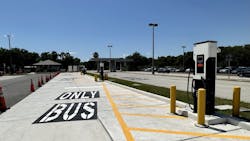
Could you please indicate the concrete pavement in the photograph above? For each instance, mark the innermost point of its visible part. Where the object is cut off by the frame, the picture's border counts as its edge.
(74, 107)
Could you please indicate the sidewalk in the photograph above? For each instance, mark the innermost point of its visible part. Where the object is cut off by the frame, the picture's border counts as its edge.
(74, 107)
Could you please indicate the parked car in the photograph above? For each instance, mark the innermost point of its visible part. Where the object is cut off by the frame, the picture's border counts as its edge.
(163, 70)
(148, 69)
(245, 72)
(179, 70)
(189, 70)
(238, 70)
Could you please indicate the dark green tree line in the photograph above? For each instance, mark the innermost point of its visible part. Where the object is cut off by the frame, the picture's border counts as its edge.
(21, 57)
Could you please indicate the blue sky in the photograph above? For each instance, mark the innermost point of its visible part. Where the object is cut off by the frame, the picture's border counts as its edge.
(85, 26)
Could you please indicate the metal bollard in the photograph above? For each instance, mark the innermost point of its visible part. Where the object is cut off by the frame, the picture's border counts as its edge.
(172, 98)
(106, 76)
(236, 101)
(201, 106)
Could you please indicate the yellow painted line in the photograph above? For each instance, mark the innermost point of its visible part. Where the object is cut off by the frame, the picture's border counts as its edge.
(142, 106)
(124, 126)
(213, 135)
(154, 116)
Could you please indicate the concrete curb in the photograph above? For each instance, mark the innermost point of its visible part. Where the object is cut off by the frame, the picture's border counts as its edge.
(186, 111)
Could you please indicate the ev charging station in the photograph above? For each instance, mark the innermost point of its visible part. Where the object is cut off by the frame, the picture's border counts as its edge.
(205, 58)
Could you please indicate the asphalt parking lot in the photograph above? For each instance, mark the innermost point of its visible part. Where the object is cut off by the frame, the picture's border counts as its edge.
(73, 106)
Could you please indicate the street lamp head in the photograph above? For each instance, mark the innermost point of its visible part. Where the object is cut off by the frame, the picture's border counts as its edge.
(152, 24)
(109, 45)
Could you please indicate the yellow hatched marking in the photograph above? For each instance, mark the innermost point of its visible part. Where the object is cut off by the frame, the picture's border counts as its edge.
(124, 126)
(155, 116)
(190, 133)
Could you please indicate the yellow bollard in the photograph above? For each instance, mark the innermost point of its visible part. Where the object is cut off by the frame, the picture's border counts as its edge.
(105, 76)
(172, 99)
(236, 101)
(95, 78)
(201, 106)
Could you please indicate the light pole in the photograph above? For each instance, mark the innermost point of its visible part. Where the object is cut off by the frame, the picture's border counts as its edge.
(153, 25)
(183, 47)
(9, 37)
(110, 46)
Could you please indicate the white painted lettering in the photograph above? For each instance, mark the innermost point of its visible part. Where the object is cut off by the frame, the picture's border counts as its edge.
(65, 95)
(93, 93)
(83, 94)
(57, 110)
(75, 95)
(66, 115)
(88, 109)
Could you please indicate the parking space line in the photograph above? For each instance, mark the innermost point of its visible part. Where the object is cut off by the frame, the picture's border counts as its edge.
(155, 116)
(124, 126)
(142, 106)
(214, 135)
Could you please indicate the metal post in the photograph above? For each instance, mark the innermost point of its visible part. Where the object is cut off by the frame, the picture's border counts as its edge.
(172, 99)
(110, 46)
(201, 106)
(153, 66)
(9, 36)
(153, 62)
(183, 65)
(236, 101)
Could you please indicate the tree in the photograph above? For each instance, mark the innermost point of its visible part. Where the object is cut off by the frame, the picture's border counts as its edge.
(139, 62)
(95, 55)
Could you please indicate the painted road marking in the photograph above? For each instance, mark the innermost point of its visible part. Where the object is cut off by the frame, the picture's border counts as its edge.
(213, 135)
(124, 126)
(78, 95)
(69, 112)
(142, 106)
(155, 116)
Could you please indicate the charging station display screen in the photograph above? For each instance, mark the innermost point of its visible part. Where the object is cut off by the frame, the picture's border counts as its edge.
(200, 64)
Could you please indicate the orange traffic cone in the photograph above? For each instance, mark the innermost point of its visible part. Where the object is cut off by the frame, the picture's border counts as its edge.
(39, 83)
(3, 106)
(42, 80)
(32, 88)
